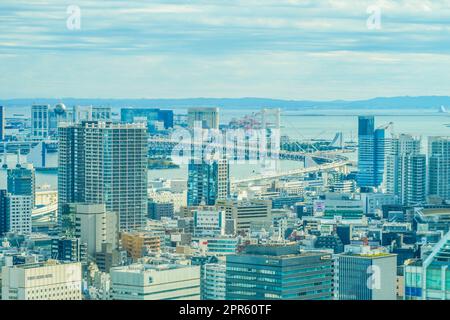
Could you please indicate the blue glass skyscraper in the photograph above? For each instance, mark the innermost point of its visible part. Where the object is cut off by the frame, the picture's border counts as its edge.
(371, 155)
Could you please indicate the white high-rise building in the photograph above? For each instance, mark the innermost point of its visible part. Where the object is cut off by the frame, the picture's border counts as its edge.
(42, 281)
(104, 162)
(18, 212)
(406, 170)
(156, 282)
(40, 122)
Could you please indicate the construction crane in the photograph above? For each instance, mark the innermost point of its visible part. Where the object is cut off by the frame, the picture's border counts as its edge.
(389, 126)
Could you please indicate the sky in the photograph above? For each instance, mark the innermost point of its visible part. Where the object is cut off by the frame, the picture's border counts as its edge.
(286, 49)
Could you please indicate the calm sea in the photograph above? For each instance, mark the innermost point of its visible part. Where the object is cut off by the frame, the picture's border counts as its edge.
(298, 124)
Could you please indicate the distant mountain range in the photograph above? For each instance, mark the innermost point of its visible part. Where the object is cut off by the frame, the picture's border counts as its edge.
(411, 103)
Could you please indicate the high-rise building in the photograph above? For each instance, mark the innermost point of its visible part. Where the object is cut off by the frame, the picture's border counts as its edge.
(208, 118)
(104, 163)
(18, 214)
(42, 281)
(40, 122)
(272, 272)
(362, 273)
(439, 167)
(155, 282)
(208, 181)
(371, 153)
(21, 181)
(406, 170)
(2, 123)
(212, 284)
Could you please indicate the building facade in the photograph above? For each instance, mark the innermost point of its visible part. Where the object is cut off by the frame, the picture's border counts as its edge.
(149, 282)
(208, 181)
(42, 281)
(439, 167)
(102, 162)
(275, 272)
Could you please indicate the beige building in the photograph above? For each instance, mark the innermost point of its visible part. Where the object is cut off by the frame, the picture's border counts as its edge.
(136, 243)
(246, 212)
(156, 282)
(42, 281)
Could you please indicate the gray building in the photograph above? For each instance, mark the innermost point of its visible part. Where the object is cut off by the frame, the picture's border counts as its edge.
(102, 162)
(366, 276)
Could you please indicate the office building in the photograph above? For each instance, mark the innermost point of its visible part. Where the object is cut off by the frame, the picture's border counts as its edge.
(212, 284)
(42, 281)
(152, 116)
(371, 153)
(155, 282)
(21, 181)
(439, 167)
(246, 212)
(104, 163)
(429, 278)
(208, 181)
(158, 210)
(363, 273)
(220, 246)
(2, 123)
(40, 122)
(95, 226)
(406, 170)
(18, 214)
(209, 223)
(90, 113)
(272, 272)
(207, 118)
(69, 249)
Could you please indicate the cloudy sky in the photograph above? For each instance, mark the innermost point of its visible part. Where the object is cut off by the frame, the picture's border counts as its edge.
(291, 49)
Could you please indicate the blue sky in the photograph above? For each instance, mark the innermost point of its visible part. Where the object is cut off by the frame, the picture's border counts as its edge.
(291, 49)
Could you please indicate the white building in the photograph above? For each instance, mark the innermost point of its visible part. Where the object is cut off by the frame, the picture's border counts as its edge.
(40, 122)
(156, 282)
(209, 223)
(95, 226)
(42, 281)
(18, 211)
(213, 281)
